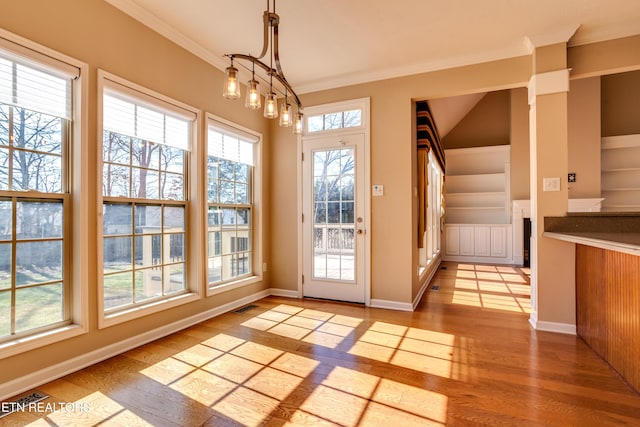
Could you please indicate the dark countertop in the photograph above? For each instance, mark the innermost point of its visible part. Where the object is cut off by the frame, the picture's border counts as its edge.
(607, 230)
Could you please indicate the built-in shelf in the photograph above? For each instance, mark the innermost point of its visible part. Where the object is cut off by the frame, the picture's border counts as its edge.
(620, 167)
(477, 185)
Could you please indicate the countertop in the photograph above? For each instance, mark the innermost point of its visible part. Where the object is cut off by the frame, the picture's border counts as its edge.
(611, 230)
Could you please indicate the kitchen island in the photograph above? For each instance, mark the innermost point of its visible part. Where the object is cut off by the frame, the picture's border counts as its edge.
(607, 284)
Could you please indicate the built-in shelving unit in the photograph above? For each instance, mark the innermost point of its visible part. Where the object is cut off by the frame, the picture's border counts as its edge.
(620, 165)
(478, 205)
(477, 185)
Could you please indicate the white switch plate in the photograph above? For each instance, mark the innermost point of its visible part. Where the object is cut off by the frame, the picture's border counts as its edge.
(551, 184)
(378, 190)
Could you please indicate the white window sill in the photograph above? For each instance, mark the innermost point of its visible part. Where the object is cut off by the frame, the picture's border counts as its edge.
(24, 344)
(225, 287)
(112, 319)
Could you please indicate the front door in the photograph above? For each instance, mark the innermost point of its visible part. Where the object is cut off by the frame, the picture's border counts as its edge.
(334, 226)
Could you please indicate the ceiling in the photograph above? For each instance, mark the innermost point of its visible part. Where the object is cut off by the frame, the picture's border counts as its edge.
(333, 43)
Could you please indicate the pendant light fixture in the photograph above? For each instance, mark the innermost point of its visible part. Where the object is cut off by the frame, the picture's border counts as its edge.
(252, 100)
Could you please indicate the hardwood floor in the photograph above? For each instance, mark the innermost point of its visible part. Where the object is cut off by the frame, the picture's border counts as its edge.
(467, 356)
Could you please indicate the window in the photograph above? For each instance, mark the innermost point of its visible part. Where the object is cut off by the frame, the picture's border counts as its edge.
(35, 132)
(230, 194)
(431, 246)
(334, 120)
(145, 156)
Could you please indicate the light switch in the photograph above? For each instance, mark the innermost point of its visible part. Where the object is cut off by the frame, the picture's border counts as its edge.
(551, 184)
(378, 190)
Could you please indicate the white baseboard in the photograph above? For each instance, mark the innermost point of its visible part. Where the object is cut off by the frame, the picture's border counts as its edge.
(43, 376)
(559, 328)
(391, 305)
(425, 285)
(287, 293)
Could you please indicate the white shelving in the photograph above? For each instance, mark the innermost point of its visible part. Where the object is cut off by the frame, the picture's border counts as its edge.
(620, 166)
(477, 185)
(478, 205)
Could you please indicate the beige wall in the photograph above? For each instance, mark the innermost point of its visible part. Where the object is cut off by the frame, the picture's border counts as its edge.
(519, 134)
(486, 124)
(96, 33)
(621, 104)
(394, 269)
(584, 137)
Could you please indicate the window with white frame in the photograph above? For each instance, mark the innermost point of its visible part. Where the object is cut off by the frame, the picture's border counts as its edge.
(230, 194)
(145, 152)
(432, 237)
(334, 120)
(36, 110)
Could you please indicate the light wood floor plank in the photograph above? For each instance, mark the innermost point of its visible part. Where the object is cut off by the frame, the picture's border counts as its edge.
(467, 356)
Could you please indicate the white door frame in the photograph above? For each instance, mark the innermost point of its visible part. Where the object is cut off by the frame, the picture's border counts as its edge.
(364, 105)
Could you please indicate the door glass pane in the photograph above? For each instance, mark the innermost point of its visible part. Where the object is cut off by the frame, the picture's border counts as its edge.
(334, 222)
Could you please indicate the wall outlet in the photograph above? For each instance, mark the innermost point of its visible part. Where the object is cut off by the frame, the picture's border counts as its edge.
(378, 190)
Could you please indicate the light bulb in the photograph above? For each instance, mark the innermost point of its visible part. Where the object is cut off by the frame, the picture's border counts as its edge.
(270, 106)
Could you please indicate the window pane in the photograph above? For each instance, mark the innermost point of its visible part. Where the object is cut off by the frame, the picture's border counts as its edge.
(115, 180)
(6, 220)
(148, 250)
(5, 313)
(244, 216)
(38, 262)
(352, 118)
(332, 121)
(315, 123)
(5, 266)
(228, 216)
(333, 189)
(4, 169)
(226, 192)
(145, 184)
(36, 220)
(148, 283)
(214, 267)
(228, 242)
(172, 159)
(347, 213)
(214, 217)
(174, 278)
(117, 254)
(242, 194)
(319, 160)
(116, 148)
(39, 306)
(242, 172)
(172, 186)
(212, 179)
(116, 219)
(174, 248)
(37, 131)
(333, 213)
(227, 170)
(320, 213)
(37, 172)
(320, 189)
(174, 219)
(148, 219)
(4, 125)
(118, 290)
(145, 154)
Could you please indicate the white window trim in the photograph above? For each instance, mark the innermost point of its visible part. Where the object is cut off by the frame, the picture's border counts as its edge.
(257, 242)
(79, 159)
(337, 107)
(195, 215)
